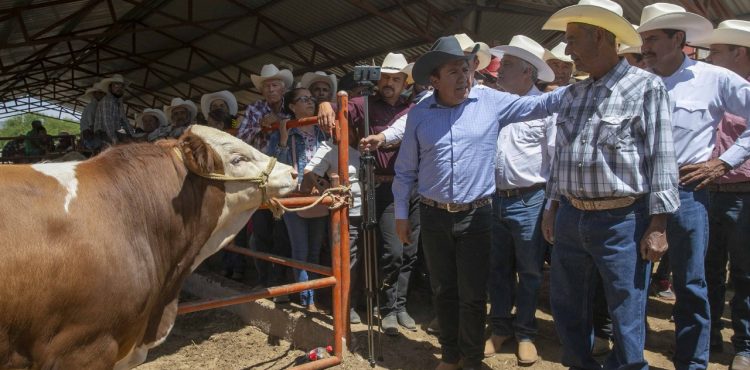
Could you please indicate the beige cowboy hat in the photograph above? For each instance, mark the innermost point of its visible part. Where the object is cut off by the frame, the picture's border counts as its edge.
(627, 49)
(660, 16)
(407, 70)
(310, 78)
(226, 96)
(160, 116)
(395, 63)
(178, 102)
(529, 50)
(271, 72)
(606, 14)
(467, 44)
(105, 82)
(558, 52)
(91, 90)
(729, 32)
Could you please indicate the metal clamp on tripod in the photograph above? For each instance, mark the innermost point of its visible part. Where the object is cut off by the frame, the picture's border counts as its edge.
(367, 75)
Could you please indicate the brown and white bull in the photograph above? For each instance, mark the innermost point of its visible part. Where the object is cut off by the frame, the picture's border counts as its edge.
(93, 253)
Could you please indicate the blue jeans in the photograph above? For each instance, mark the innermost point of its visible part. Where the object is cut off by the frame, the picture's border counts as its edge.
(516, 249)
(306, 238)
(590, 245)
(729, 217)
(687, 235)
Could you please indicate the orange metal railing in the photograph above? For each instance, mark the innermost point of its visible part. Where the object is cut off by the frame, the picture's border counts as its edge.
(336, 276)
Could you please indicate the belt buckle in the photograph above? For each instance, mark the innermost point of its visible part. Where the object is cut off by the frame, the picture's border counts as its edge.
(449, 207)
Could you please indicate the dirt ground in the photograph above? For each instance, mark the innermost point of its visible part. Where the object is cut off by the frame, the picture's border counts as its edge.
(220, 340)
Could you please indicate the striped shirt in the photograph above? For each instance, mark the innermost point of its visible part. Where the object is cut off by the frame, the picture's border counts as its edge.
(250, 130)
(614, 139)
(110, 117)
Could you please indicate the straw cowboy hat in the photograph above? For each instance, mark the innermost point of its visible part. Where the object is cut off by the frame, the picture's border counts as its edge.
(444, 50)
(271, 72)
(178, 102)
(558, 52)
(91, 90)
(627, 49)
(105, 82)
(160, 116)
(729, 32)
(310, 78)
(529, 50)
(660, 16)
(395, 63)
(605, 14)
(467, 45)
(224, 95)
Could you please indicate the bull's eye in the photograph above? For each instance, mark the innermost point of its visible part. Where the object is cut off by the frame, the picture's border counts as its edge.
(236, 160)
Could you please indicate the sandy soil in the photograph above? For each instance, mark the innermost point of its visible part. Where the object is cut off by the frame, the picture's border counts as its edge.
(219, 340)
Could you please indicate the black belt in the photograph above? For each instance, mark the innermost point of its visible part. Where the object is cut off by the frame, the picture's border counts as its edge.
(507, 193)
(737, 187)
(457, 207)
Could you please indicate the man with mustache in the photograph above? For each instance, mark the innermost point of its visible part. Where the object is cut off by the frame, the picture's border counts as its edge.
(701, 95)
(446, 156)
(612, 185)
(397, 258)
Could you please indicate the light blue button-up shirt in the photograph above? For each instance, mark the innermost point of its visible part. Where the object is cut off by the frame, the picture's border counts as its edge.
(449, 152)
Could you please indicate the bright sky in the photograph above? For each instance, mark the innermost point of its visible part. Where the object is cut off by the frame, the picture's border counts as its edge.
(12, 107)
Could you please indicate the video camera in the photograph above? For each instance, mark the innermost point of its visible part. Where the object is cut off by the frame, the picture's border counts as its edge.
(366, 73)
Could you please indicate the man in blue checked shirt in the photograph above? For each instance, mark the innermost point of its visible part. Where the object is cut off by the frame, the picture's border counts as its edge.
(448, 152)
(612, 185)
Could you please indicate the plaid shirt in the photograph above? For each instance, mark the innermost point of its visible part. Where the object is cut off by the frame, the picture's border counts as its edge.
(250, 130)
(110, 117)
(614, 139)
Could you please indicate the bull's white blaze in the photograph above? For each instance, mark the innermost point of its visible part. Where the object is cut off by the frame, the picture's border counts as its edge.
(65, 174)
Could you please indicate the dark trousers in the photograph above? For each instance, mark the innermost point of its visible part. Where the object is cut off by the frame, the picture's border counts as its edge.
(457, 249)
(356, 283)
(396, 259)
(269, 236)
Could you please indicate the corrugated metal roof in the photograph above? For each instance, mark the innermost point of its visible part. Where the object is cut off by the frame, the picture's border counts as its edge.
(54, 50)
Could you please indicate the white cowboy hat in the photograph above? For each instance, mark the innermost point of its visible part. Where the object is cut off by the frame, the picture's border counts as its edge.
(558, 52)
(224, 95)
(160, 116)
(627, 49)
(105, 82)
(606, 14)
(660, 16)
(310, 78)
(91, 90)
(529, 50)
(178, 102)
(407, 70)
(729, 32)
(395, 63)
(269, 72)
(467, 44)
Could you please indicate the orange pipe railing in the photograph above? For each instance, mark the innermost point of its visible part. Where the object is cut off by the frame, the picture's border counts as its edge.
(292, 124)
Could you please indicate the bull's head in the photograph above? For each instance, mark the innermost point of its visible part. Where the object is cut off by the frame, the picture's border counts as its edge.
(249, 176)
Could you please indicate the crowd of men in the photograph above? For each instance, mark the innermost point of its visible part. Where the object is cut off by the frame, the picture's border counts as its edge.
(488, 158)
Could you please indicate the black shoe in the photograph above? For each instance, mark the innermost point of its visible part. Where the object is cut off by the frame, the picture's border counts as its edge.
(390, 324)
(354, 317)
(717, 342)
(406, 321)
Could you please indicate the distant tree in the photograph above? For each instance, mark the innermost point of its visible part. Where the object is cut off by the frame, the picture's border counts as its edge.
(20, 125)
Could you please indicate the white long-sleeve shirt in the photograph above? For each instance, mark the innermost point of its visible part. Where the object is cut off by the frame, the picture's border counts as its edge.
(700, 94)
(524, 152)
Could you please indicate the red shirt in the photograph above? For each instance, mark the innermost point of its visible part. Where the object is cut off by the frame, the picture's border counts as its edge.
(730, 128)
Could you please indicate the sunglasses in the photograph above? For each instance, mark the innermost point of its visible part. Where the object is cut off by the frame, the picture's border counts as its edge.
(305, 99)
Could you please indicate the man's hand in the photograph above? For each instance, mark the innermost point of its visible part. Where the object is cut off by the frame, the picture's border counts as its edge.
(654, 242)
(403, 230)
(548, 222)
(269, 119)
(705, 172)
(283, 133)
(326, 117)
(371, 142)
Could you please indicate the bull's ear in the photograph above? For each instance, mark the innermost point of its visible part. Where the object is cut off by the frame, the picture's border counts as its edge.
(199, 156)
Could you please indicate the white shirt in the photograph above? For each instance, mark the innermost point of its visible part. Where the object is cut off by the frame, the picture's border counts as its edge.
(524, 152)
(326, 160)
(700, 94)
